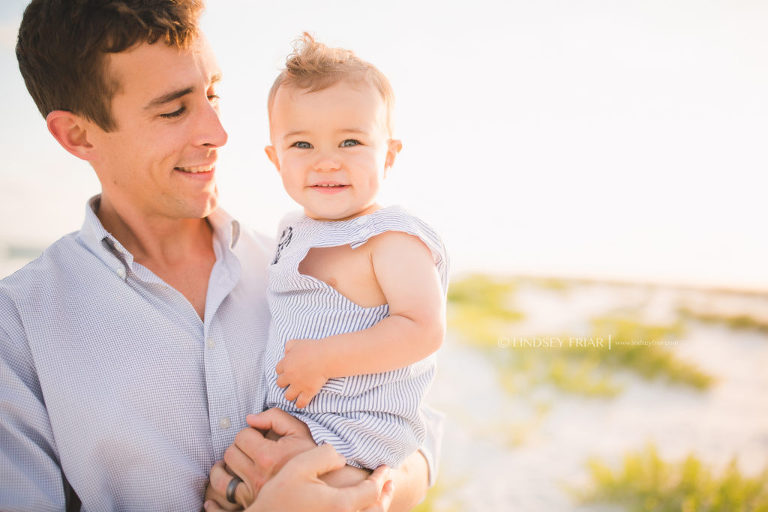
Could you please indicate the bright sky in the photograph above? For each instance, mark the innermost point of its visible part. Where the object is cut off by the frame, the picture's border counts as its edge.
(600, 138)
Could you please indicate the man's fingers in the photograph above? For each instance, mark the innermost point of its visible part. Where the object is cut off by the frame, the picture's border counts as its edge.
(365, 495)
(387, 494)
(249, 440)
(317, 461)
(241, 465)
(219, 479)
(211, 506)
(385, 500)
(379, 477)
(252, 456)
(278, 421)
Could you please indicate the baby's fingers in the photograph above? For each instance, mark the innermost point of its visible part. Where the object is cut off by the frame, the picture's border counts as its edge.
(282, 381)
(303, 400)
(291, 393)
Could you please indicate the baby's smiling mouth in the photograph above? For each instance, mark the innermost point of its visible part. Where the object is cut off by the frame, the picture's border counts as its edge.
(328, 185)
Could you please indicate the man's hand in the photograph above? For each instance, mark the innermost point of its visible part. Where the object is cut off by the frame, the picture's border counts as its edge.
(220, 478)
(297, 488)
(255, 455)
(302, 370)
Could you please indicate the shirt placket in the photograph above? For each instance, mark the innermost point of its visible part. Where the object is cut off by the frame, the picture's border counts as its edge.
(224, 414)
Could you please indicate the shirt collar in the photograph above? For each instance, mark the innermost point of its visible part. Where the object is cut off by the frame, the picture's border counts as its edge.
(225, 228)
(99, 241)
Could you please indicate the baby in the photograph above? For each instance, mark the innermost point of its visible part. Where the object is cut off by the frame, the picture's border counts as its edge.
(356, 290)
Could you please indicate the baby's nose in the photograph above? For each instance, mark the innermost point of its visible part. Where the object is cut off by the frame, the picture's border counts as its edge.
(327, 163)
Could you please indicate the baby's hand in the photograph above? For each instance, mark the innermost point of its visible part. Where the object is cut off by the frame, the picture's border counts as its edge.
(301, 370)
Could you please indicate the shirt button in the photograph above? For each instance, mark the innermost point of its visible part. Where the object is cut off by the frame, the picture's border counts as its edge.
(210, 343)
(225, 423)
(121, 272)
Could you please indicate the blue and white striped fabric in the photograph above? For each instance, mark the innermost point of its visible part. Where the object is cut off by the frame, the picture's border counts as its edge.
(370, 419)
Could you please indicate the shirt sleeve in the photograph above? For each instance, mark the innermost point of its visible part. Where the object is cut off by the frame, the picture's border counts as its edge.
(431, 448)
(30, 475)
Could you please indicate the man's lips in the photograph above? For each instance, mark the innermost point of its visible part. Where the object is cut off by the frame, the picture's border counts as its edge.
(197, 169)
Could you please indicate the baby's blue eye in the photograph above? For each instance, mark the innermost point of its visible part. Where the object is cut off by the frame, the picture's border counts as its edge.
(302, 145)
(349, 143)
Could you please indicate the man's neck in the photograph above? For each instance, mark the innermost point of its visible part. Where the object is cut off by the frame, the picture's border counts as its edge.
(155, 240)
(178, 251)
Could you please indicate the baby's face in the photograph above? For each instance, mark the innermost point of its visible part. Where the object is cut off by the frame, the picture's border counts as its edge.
(331, 148)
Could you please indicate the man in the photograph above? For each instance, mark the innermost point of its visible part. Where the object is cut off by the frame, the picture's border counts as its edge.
(130, 350)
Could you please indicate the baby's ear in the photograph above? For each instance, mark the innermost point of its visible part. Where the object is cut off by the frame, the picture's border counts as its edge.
(71, 131)
(272, 155)
(393, 148)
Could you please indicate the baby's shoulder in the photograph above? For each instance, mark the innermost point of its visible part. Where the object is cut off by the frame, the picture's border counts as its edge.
(396, 225)
(399, 244)
(397, 231)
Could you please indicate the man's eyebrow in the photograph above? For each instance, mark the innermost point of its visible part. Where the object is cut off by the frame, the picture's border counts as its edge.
(167, 98)
(174, 95)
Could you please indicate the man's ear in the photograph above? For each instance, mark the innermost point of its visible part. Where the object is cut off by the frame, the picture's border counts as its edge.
(393, 148)
(71, 131)
(272, 154)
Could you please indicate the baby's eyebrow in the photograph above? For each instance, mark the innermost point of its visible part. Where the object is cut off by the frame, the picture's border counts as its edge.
(295, 133)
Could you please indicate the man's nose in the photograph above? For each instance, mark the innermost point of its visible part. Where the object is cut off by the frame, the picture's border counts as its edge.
(211, 133)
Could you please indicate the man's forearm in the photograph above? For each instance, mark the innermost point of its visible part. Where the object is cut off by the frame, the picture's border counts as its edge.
(411, 483)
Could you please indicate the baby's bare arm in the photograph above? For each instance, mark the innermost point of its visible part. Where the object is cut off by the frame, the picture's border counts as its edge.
(406, 274)
(414, 329)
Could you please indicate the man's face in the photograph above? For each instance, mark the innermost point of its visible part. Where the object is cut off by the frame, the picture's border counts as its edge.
(159, 161)
(331, 148)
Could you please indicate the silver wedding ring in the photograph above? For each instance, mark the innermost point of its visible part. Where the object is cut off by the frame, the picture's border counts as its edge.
(231, 488)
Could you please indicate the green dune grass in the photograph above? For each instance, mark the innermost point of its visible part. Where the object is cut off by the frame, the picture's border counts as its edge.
(739, 321)
(482, 311)
(647, 483)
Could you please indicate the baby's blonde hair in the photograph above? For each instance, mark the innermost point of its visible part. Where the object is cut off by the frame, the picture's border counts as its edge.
(314, 66)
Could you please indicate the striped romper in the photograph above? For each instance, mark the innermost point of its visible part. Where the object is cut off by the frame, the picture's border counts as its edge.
(370, 419)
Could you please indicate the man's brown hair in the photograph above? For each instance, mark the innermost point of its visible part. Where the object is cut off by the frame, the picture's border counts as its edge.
(63, 44)
(314, 66)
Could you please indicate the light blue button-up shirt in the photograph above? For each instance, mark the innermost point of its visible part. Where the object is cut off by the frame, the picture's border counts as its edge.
(109, 376)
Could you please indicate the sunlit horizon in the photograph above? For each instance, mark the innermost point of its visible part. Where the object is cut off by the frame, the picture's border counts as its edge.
(584, 139)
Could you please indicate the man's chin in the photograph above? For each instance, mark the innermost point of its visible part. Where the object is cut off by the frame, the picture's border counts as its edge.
(205, 206)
